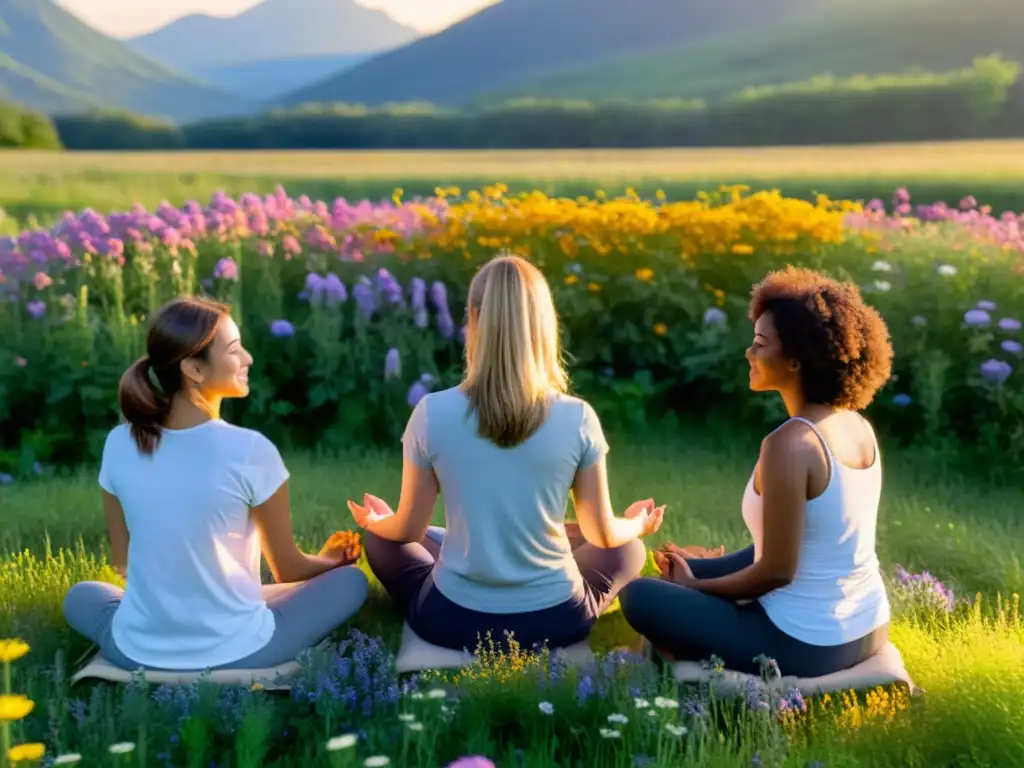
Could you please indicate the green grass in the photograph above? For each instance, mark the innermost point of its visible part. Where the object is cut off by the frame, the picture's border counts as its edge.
(845, 38)
(962, 526)
(44, 184)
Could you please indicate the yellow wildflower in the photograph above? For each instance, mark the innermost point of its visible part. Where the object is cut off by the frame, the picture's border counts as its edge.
(12, 650)
(593, 287)
(570, 279)
(644, 273)
(743, 249)
(15, 707)
(660, 329)
(26, 753)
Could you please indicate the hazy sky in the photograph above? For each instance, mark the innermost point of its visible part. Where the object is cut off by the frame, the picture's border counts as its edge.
(124, 18)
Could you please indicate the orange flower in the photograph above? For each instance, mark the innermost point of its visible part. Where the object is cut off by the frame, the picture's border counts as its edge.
(644, 273)
(742, 249)
(660, 329)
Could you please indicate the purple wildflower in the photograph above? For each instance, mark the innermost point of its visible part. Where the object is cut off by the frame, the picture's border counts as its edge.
(314, 288)
(472, 761)
(418, 301)
(439, 295)
(282, 329)
(389, 287)
(1011, 324)
(417, 392)
(902, 400)
(715, 316)
(987, 306)
(6, 479)
(366, 297)
(36, 309)
(977, 318)
(392, 364)
(445, 325)
(1011, 346)
(226, 269)
(334, 289)
(996, 371)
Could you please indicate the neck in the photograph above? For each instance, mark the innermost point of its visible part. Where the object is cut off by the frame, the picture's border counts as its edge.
(185, 413)
(797, 405)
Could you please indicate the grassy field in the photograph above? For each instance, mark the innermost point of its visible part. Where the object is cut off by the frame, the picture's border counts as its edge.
(964, 528)
(44, 184)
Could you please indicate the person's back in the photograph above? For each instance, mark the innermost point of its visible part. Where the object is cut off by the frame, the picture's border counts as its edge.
(506, 550)
(194, 551)
(191, 504)
(505, 448)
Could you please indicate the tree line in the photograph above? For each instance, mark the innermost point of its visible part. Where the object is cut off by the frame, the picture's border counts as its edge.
(984, 100)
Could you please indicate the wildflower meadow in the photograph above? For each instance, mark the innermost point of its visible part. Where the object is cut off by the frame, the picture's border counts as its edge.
(354, 310)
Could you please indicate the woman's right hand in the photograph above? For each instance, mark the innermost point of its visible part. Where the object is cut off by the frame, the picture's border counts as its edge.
(370, 511)
(652, 516)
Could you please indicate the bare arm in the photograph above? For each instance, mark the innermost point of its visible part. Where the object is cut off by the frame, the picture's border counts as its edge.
(287, 562)
(415, 507)
(117, 529)
(598, 522)
(786, 458)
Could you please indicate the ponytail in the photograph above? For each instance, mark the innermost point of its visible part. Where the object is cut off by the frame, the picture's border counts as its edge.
(144, 406)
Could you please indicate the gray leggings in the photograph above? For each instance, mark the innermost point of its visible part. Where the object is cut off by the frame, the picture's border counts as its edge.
(304, 614)
(693, 626)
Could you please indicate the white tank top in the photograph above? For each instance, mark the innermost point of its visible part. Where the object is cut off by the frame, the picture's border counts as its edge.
(837, 595)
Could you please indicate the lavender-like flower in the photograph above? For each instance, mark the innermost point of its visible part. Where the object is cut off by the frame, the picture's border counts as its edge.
(715, 317)
(977, 318)
(1011, 346)
(389, 287)
(1010, 324)
(996, 371)
(392, 365)
(445, 325)
(987, 306)
(334, 290)
(366, 297)
(439, 296)
(418, 301)
(36, 309)
(417, 392)
(282, 329)
(226, 269)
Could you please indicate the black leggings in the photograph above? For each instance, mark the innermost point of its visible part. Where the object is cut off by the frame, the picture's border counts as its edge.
(693, 626)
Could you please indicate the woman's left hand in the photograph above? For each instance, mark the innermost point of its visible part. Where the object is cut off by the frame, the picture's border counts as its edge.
(674, 568)
(370, 511)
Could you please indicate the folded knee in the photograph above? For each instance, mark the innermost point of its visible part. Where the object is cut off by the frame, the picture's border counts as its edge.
(639, 600)
(353, 585)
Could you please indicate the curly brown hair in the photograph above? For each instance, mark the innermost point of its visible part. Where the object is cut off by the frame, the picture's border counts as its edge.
(841, 344)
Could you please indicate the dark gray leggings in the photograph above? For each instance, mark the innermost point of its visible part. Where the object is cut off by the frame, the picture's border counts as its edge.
(406, 572)
(693, 626)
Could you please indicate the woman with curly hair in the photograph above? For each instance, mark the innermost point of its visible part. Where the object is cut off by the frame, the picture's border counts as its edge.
(808, 592)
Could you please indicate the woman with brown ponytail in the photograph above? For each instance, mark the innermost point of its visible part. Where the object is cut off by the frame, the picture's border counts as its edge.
(191, 501)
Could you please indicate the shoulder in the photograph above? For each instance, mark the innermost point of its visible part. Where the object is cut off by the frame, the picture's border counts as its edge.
(244, 444)
(571, 404)
(794, 442)
(119, 438)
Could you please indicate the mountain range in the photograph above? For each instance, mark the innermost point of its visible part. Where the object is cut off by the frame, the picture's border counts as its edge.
(284, 53)
(274, 30)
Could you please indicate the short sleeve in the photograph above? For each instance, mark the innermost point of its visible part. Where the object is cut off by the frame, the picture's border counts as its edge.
(592, 438)
(109, 459)
(264, 472)
(414, 440)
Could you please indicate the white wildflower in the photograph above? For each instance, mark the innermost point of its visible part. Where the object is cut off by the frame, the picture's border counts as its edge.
(437, 693)
(662, 703)
(546, 707)
(641, 703)
(675, 730)
(69, 759)
(121, 748)
(377, 761)
(346, 741)
(609, 733)
(883, 285)
(414, 727)
(947, 270)
(618, 719)
(881, 266)
(405, 717)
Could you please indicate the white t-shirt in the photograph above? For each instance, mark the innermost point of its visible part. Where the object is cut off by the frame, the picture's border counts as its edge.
(193, 597)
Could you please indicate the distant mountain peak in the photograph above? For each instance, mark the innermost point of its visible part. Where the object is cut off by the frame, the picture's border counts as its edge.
(274, 29)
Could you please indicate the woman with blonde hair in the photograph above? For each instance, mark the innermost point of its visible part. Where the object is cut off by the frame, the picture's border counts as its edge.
(505, 448)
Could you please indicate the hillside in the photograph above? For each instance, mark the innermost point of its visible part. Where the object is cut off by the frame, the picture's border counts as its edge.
(51, 61)
(273, 30)
(261, 81)
(505, 43)
(846, 38)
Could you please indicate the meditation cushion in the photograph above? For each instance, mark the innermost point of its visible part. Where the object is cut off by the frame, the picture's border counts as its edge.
(272, 679)
(416, 655)
(884, 668)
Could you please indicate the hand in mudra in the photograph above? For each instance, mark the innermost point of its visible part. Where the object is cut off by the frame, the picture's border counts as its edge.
(697, 552)
(673, 565)
(652, 515)
(343, 547)
(370, 511)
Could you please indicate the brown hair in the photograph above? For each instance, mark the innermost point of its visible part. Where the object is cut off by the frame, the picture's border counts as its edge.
(180, 329)
(841, 343)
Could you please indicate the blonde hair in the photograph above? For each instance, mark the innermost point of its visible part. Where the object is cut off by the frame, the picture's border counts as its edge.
(513, 351)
